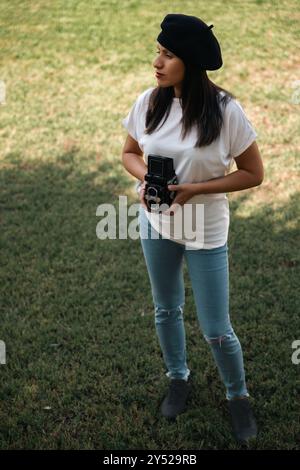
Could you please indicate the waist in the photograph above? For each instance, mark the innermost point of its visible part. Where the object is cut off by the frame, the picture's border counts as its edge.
(208, 197)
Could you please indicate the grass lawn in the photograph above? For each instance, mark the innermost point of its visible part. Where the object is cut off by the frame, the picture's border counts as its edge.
(83, 364)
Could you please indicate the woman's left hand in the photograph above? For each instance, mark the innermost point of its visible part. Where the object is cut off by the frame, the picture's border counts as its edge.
(184, 192)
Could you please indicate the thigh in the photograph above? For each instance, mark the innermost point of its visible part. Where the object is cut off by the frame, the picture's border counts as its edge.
(209, 275)
(164, 261)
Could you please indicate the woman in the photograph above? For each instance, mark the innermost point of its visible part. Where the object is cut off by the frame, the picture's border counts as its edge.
(205, 130)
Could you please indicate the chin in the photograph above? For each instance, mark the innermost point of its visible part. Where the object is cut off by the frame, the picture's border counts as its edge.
(164, 85)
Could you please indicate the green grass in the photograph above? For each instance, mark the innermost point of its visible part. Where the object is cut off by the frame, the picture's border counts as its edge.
(76, 312)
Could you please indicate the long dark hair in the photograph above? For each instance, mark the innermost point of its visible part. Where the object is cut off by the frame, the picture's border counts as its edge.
(201, 106)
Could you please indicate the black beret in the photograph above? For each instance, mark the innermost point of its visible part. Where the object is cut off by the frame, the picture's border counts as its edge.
(192, 40)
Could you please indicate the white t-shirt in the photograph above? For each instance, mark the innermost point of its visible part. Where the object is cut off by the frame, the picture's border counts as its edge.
(193, 165)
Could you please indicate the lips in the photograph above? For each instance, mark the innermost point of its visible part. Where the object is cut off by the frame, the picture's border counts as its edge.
(159, 74)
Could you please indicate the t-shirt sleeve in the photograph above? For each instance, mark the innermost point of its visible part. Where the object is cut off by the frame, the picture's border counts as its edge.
(242, 133)
(130, 122)
(134, 122)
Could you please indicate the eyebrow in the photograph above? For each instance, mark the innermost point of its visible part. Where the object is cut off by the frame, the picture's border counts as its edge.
(163, 49)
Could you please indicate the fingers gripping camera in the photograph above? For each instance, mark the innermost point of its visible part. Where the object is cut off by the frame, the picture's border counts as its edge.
(160, 174)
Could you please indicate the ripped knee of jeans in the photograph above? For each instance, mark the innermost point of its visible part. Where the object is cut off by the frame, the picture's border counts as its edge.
(164, 315)
(218, 339)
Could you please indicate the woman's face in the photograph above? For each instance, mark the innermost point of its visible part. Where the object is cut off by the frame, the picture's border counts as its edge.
(170, 66)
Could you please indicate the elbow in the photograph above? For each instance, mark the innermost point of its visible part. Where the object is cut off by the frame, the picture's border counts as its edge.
(124, 158)
(261, 175)
(259, 179)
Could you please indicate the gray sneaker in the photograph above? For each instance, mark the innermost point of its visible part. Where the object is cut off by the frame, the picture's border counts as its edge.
(175, 401)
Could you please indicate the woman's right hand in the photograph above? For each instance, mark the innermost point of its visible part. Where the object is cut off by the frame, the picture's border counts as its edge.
(141, 192)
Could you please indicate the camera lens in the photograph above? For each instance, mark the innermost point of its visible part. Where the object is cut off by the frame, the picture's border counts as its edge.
(152, 191)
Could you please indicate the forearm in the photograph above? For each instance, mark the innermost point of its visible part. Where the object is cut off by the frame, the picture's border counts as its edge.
(235, 181)
(135, 165)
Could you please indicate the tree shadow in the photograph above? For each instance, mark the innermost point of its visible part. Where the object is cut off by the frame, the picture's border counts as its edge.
(73, 306)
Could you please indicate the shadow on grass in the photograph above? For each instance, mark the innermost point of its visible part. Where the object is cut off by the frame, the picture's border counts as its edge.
(84, 369)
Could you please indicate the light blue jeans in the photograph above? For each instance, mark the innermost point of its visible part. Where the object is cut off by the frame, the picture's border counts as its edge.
(209, 275)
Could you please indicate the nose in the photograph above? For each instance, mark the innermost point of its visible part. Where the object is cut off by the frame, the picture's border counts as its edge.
(157, 64)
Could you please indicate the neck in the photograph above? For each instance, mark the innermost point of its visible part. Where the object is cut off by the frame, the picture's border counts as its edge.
(177, 91)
